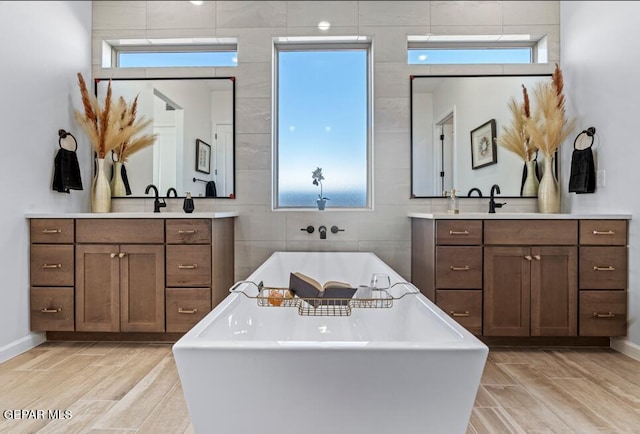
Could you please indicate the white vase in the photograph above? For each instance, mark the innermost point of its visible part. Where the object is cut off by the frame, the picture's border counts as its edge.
(321, 203)
(530, 186)
(548, 191)
(117, 184)
(100, 190)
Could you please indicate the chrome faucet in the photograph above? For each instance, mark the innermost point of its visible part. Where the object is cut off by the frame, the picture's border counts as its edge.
(323, 232)
(156, 203)
(175, 193)
(495, 188)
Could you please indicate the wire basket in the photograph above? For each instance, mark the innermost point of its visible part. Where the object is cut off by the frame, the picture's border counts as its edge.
(283, 297)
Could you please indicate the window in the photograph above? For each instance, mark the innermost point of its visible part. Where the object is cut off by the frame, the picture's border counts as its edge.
(322, 119)
(168, 53)
(476, 49)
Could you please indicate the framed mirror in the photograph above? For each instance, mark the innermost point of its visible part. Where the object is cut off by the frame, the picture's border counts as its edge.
(194, 120)
(451, 117)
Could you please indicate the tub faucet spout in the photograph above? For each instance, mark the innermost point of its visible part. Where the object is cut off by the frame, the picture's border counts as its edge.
(323, 232)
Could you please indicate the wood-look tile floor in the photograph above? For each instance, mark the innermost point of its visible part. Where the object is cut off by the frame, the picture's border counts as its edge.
(134, 388)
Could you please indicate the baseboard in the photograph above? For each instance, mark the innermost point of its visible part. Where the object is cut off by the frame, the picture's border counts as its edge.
(14, 348)
(626, 347)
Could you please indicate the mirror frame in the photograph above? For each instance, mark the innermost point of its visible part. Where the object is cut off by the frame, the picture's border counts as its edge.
(411, 138)
(96, 80)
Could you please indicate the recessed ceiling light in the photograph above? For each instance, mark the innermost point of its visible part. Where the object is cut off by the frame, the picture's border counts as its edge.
(324, 25)
(197, 3)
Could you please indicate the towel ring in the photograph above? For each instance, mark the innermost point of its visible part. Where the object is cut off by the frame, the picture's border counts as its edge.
(62, 135)
(590, 132)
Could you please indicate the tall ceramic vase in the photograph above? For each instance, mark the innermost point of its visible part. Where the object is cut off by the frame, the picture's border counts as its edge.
(530, 186)
(100, 190)
(548, 191)
(117, 184)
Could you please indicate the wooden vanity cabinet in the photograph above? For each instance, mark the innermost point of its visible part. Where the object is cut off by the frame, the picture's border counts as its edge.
(603, 278)
(531, 278)
(120, 287)
(51, 272)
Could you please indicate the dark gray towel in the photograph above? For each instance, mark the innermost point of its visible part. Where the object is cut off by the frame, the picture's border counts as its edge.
(67, 172)
(583, 174)
(211, 189)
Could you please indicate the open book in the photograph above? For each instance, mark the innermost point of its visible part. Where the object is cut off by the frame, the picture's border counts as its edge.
(306, 287)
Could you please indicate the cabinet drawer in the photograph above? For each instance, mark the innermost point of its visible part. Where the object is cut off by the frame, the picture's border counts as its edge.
(531, 232)
(51, 309)
(603, 232)
(185, 307)
(120, 231)
(463, 306)
(603, 267)
(188, 265)
(188, 231)
(51, 231)
(603, 313)
(51, 265)
(459, 267)
(459, 232)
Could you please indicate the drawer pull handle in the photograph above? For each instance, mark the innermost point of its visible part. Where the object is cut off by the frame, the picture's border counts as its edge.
(187, 311)
(52, 231)
(51, 265)
(45, 310)
(609, 268)
(189, 267)
(458, 232)
(454, 268)
(528, 257)
(459, 314)
(121, 255)
(113, 255)
(537, 257)
(604, 232)
(185, 231)
(603, 315)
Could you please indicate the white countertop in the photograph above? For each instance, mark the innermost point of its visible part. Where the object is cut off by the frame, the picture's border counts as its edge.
(129, 215)
(516, 216)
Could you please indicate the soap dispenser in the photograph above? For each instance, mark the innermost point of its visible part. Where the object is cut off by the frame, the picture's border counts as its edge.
(188, 206)
(453, 203)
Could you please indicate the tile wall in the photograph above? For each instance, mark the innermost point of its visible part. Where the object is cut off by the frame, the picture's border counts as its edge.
(385, 230)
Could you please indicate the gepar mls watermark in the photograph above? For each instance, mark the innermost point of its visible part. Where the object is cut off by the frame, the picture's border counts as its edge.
(16, 414)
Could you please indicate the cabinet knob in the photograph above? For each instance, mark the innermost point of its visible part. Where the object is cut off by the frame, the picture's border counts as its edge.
(537, 257)
(604, 315)
(528, 257)
(188, 267)
(113, 255)
(121, 255)
(187, 311)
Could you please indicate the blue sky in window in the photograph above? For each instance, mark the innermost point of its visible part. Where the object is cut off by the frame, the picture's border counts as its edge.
(322, 122)
(470, 56)
(154, 59)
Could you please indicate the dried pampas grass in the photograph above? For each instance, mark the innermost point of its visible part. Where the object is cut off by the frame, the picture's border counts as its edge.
(548, 126)
(112, 126)
(515, 138)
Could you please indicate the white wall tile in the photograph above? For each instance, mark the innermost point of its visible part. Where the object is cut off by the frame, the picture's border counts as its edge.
(253, 187)
(552, 32)
(391, 115)
(180, 15)
(314, 31)
(391, 79)
(250, 254)
(254, 44)
(396, 254)
(392, 151)
(253, 151)
(390, 43)
(344, 220)
(250, 14)
(386, 223)
(466, 13)
(119, 15)
(391, 187)
(310, 13)
(393, 13)
(253, 80)
(253, 115)
(259, 223)
(531, 12)
(318, 245)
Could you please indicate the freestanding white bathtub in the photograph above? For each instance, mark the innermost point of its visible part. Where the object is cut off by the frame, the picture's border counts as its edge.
(406, 369)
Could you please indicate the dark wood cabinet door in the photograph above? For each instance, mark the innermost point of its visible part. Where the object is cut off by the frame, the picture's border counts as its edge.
(142, 288)
(506, 291)
(554, 291)
(97, 288)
